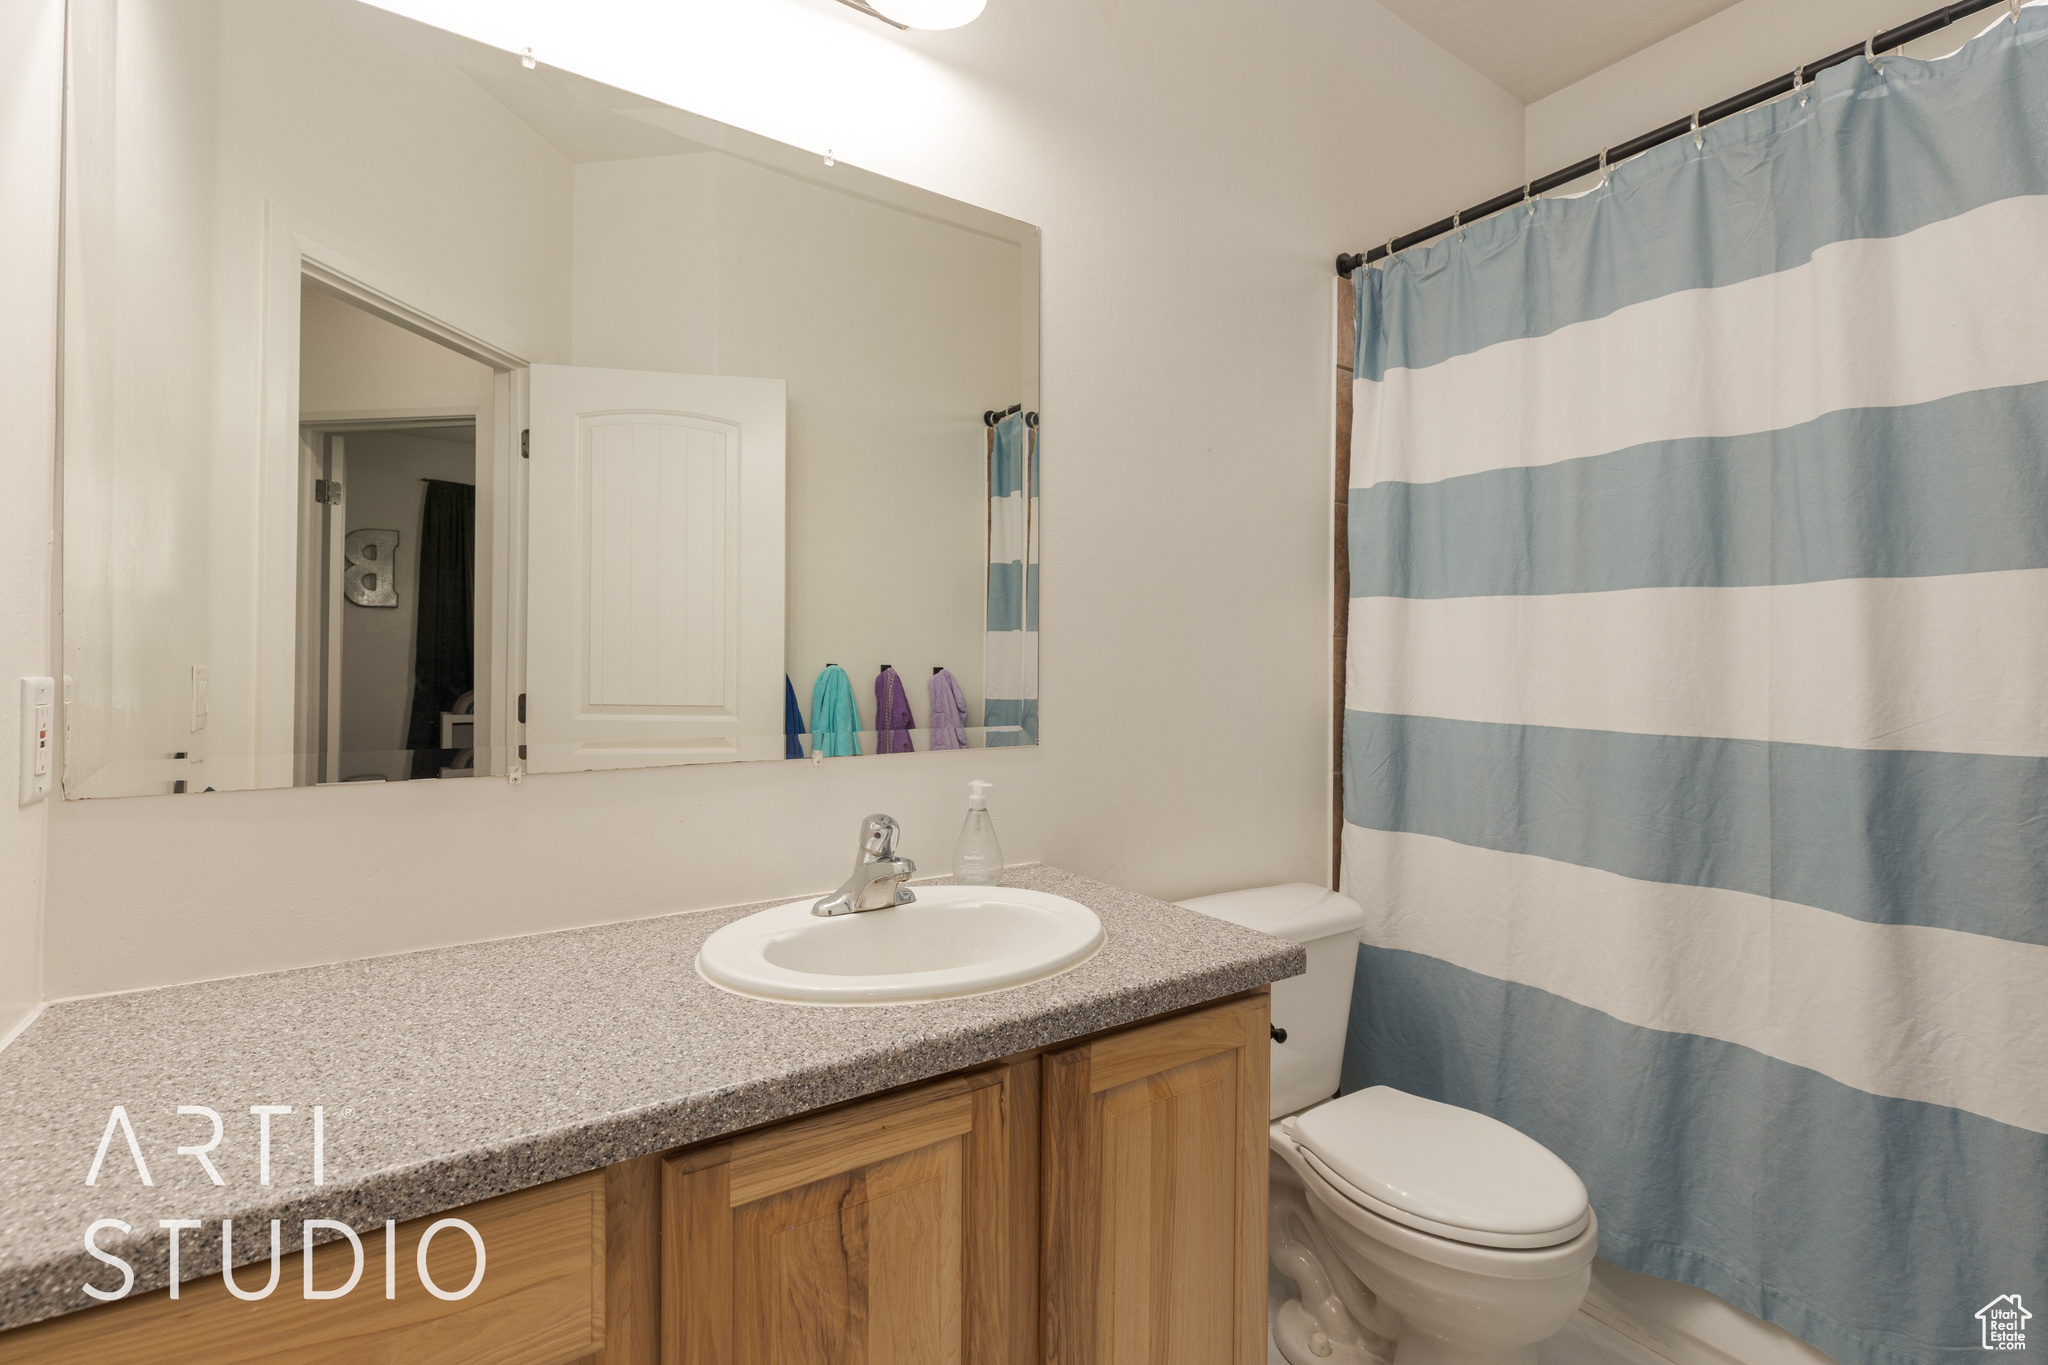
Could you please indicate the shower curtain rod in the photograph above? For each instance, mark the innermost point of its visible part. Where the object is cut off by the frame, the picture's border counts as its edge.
(1713, 113)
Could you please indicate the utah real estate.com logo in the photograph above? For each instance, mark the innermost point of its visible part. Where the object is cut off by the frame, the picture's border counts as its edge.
(2005, 1323)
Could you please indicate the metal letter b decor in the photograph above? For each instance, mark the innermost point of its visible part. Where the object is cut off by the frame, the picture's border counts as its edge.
(368, 580)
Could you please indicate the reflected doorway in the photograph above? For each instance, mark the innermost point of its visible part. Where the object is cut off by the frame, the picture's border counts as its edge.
(391, 586)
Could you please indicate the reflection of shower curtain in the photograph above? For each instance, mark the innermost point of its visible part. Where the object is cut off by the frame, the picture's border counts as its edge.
(444, 632)
(1010, 649)
(1696, 744)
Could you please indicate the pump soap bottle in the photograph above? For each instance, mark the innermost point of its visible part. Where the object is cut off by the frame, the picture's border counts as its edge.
(978, 858)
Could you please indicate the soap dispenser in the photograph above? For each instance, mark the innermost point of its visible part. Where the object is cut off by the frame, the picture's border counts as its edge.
(978, 858)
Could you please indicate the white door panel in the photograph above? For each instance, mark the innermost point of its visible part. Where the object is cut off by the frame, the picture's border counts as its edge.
(655, 569)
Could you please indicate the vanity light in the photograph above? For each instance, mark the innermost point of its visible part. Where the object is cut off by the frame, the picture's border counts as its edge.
(930, 13)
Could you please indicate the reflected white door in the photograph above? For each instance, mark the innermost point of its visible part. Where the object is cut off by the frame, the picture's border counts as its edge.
(654, 568)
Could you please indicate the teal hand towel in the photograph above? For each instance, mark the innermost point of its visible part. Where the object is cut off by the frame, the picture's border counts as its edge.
(835, 721)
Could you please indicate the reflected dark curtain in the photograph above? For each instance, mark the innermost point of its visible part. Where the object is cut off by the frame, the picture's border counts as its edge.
(444, 645)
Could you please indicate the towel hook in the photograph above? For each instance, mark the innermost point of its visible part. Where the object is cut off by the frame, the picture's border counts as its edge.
(1698, 138)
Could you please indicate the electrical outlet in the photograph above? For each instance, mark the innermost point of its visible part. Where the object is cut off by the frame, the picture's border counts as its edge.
(38, 731)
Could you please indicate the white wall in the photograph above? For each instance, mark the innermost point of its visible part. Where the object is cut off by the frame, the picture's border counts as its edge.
(647, 264)
(31, 48)
(1195, 173)
(907, 329)
(1741, 47)
(138, 485)
(353, 364)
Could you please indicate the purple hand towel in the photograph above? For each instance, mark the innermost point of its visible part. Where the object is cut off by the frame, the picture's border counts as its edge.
(949, 711)
(892, 714)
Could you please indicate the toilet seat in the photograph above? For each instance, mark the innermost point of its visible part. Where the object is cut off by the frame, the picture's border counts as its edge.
(1450, 1233)
(1440, 1169)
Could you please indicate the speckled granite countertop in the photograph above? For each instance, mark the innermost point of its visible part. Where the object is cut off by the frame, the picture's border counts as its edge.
(458, 1074)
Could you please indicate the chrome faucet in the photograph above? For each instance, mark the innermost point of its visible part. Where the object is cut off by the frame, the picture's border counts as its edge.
(877, 880)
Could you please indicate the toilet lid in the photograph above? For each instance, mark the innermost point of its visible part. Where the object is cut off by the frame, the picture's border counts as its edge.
(1442, 1169)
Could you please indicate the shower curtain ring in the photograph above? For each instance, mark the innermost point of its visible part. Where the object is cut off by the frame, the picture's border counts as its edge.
(1799, 83)
(1529, 197)
(2014, 6)
(1698, 140)
(1603, 165)
(1870, 53)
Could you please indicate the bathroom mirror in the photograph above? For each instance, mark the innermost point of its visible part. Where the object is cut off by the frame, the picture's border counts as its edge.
(432, 414)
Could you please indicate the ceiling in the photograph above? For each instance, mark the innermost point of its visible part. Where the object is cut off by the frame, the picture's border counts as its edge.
(582, 120)
(1532, 48)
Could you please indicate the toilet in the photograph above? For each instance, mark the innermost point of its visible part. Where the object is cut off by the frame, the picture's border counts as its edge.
(1408, 1230)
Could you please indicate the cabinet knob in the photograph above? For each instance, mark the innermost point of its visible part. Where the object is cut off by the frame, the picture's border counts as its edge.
(1279, 1034)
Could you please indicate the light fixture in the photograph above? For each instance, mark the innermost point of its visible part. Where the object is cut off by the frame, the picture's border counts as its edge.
(929, 13)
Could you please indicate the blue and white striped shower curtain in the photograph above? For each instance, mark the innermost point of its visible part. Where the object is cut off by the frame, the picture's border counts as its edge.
(1010, 649)
(1696, 751)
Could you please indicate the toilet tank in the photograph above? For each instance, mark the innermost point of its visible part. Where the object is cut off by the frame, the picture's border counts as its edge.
(1315, 1007)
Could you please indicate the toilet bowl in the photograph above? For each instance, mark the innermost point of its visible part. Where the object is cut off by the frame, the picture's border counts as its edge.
(1474, 1244)
(1411, 1231)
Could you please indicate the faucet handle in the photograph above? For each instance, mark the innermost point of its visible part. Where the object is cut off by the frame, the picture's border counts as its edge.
(878, 837)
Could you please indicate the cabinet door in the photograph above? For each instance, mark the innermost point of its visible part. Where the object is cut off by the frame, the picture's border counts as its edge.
(890, 1232)
(1154, 1150)
(542, 1302)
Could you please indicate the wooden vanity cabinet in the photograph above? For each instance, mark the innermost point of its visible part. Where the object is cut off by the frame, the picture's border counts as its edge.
(542, 1301)
(1154, 1190)
(1102, 1204)
(895, 1231)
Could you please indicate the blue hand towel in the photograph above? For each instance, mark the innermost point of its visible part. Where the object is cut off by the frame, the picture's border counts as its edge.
(835, 720)
(792, 721)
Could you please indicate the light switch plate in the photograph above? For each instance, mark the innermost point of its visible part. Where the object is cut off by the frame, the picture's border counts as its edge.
(38, 733)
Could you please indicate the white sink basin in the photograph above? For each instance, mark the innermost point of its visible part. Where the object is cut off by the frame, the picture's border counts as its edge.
(952, 941)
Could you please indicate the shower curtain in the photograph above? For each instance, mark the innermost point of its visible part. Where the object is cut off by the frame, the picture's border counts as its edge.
(1010, 649)
(444, 631)
(1696, 739)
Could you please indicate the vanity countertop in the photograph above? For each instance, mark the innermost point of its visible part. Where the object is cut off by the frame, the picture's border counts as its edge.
(461, 1073)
